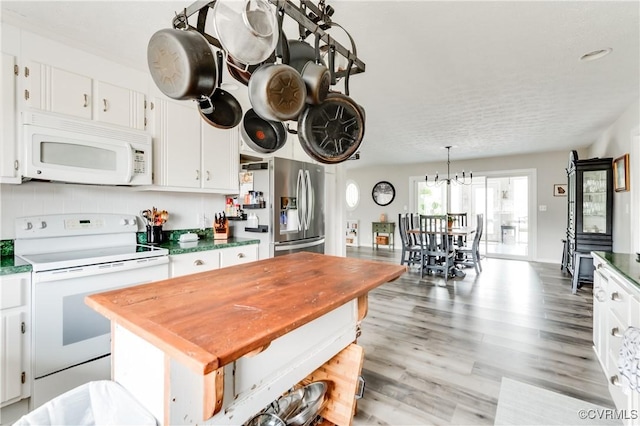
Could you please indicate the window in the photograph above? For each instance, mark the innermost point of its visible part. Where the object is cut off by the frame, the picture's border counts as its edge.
(352, 194)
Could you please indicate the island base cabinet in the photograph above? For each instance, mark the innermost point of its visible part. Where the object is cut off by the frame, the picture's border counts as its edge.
(175, 393)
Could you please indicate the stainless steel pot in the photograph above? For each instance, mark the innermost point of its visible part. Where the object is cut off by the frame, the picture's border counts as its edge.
(316, 77)
(277, 91)
(181, 63)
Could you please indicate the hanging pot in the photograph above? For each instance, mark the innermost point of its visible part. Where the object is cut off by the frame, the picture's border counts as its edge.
(332, 131)
(221, 109)
(277, 91)
(262, 135)
(316, 77)
(242, 73)
(181, 63)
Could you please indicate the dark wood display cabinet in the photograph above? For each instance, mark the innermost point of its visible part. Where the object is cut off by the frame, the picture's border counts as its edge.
(589, 214)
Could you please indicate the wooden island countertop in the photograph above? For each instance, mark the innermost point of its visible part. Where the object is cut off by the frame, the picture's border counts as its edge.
(209, 319)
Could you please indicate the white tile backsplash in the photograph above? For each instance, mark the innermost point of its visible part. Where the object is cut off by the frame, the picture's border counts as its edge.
(37, 198)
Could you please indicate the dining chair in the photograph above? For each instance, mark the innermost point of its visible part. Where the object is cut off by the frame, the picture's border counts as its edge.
(460, 220)
(410, 250)
(470, 256)
(437, 252)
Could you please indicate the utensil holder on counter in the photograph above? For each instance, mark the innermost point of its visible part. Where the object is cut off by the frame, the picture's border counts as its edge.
(154, 234)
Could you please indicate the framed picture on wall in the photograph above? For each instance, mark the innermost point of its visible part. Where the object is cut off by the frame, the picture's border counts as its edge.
(560, 190)
(621, 173)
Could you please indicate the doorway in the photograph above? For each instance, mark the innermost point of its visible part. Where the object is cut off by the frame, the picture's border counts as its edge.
(506, 199)
(507, 213)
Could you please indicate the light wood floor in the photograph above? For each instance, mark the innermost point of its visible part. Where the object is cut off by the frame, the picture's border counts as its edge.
(436, 355)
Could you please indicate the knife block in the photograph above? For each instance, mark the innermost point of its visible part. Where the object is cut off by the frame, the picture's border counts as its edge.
(221, 230)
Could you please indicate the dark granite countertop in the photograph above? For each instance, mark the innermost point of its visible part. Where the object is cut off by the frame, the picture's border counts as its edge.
(13, 265)
(176, 247)
(624, 263)
(9, 264)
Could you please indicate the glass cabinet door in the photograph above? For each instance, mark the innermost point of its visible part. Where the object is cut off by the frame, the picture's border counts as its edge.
(594, 201)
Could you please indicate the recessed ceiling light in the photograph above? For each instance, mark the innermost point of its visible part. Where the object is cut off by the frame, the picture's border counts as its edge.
(596, 54)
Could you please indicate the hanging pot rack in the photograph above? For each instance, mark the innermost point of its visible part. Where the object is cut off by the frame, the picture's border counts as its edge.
(311, 18)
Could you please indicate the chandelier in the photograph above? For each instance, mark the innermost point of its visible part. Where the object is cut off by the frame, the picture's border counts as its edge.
(462, 180)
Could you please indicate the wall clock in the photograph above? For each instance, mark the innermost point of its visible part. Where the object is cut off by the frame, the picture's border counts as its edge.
(383, 193)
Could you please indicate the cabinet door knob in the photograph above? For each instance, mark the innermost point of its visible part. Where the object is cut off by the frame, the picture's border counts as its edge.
(208, 175)
(615, 332)
(105, 105)
(615, 296)
(615, 381)
(198, 262)
(86, 101)
(240, 255)
(197, 174)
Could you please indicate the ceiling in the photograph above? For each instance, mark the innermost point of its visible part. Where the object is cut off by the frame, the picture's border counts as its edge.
(489, 78)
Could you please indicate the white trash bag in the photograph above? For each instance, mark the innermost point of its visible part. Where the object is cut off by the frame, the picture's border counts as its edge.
(102, 402)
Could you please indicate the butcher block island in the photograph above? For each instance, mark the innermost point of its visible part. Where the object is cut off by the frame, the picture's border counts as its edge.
(217, 347)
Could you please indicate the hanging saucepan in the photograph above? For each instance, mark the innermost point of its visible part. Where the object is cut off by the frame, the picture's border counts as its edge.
(247, 30)
(277, 91)
(242, 73)
(181, 63)
(262, 135)
(316, 77)
(221, 109)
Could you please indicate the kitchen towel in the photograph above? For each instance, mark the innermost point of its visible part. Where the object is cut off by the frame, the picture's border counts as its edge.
(629, 360)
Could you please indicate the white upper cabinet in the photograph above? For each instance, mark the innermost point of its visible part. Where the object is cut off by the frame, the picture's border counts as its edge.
(176, 128)
(190, 154)
(57, 90)
(74, 82)
(220, 158)
(9, 163)
(118, 105)
(64, 92)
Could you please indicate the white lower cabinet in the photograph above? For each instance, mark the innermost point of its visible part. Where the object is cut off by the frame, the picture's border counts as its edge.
(238, 255)
(15, 337)
(616, 307)
(201, 261)
(191, 263)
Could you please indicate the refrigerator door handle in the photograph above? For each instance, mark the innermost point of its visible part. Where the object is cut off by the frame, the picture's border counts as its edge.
(299, 201)
(309, 202)
(289, 246)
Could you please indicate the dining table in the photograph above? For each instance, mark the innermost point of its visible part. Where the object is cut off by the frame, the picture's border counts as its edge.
(455, 231)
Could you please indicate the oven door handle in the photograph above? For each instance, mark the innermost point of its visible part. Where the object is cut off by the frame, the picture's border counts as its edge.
(92, 270)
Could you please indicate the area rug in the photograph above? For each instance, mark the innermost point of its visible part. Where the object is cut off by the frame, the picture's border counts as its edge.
(523, 404)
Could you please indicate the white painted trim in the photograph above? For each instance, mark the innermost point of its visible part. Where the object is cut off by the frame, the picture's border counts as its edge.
(634, 155)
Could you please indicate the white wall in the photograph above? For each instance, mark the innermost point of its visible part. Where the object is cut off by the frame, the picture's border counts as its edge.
(551, 224)
(36, 198)
(619, 139)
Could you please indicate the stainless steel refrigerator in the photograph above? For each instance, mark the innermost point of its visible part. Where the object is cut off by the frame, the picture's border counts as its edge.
(296, 204)
(298, 207)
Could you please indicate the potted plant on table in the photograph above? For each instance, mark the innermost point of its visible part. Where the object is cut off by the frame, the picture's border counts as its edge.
(450, 221)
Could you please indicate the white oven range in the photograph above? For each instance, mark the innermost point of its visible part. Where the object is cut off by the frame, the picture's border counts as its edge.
(72, 256)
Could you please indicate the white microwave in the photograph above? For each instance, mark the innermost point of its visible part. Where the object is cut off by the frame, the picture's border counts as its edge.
(80, 151)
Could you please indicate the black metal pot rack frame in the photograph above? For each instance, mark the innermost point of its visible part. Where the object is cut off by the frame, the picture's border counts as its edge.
(311, 18)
